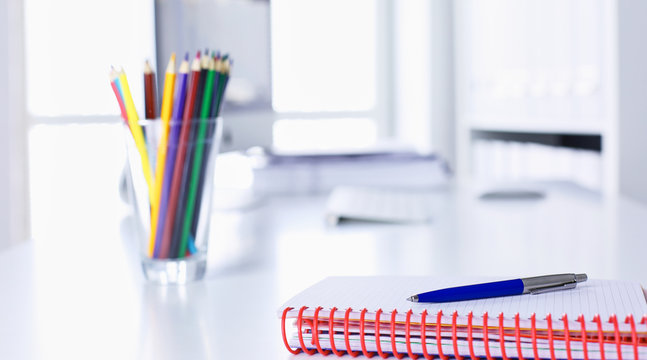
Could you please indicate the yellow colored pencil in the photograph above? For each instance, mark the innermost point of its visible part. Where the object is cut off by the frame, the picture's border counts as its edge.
(138, 134)
(167, 107)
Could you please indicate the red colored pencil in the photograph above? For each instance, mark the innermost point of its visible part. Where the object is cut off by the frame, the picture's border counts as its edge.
(113, 78)
(150, 94)
(179, 160)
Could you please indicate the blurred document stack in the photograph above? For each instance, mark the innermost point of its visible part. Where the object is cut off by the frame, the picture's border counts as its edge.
(318, 172)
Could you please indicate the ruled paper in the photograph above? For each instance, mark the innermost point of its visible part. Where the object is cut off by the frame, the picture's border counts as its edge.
(603, 297)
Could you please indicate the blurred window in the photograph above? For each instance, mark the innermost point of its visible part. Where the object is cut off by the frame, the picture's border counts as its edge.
(69, 47)
(325, 65)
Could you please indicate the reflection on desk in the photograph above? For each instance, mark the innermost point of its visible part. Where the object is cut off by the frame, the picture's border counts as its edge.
(82, 295)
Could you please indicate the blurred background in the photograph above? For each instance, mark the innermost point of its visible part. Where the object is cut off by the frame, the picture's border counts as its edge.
(503, 91)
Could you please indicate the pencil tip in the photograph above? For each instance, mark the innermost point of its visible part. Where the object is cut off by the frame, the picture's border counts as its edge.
(172, 56)
(197, 55)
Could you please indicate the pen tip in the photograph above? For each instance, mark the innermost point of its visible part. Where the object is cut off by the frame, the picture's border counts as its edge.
(413, 298)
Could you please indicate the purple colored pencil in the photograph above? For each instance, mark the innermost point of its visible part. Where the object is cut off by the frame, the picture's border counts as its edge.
(174, 137)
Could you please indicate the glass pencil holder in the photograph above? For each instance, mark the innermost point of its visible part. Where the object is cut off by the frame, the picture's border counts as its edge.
(172, 176)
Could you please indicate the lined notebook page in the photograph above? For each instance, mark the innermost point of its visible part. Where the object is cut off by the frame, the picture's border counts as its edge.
(603, 297)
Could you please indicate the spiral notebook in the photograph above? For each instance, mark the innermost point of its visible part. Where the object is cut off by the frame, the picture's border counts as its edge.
(369, 315)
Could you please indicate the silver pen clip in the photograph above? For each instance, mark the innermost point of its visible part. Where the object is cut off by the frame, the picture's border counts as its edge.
(543, 284)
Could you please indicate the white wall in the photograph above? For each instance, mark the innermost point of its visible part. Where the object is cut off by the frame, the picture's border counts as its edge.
(14, 202)
(424, 75)
(188, 26)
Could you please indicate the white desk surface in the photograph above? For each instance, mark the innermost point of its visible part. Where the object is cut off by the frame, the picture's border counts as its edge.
(75, 292)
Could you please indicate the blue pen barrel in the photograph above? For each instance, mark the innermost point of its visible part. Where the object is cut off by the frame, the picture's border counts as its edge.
(471, 292)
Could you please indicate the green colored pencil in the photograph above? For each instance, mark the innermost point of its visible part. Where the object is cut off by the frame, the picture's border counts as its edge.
(197, 158)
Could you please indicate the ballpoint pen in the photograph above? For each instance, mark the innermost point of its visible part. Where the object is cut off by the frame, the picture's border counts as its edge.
(530, 285)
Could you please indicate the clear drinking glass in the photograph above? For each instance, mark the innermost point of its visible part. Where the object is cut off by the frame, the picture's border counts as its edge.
(172, 224)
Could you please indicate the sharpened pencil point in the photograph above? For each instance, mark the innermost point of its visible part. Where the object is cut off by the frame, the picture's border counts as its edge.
(186, 56)
(147, 67)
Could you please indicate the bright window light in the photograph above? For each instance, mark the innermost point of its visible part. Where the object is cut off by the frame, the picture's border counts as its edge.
(70, 45)
(323, 55)
(324, 134)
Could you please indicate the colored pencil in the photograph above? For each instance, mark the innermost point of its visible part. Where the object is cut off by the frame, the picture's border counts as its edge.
(219, 86)
(186, 171)
(204, 69)
(180, 158)
(150, 113)
(174, 136)
(167, 104)
(113, 83)
(190, 105)
(222, 83)
(135, 128)
(150, 93)
(197, 160)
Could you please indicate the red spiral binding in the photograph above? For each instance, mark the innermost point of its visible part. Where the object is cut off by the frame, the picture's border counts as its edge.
(314, 324)
(423, 335)
(616, 332)
(299, 323)
(533, 335)
(517, 335)
(361, 335)
(395, 351)
(634, 336)
(347, 335)
(454, 336)
(407, 335)
(502, 337)
(378, 344)
(315, 332)
(469, 335)
(285, 338)
(331, 332)
(584, 335)
(596, 319)
(486, 342)
(439, 320)
(567, 337)
(551, 343)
